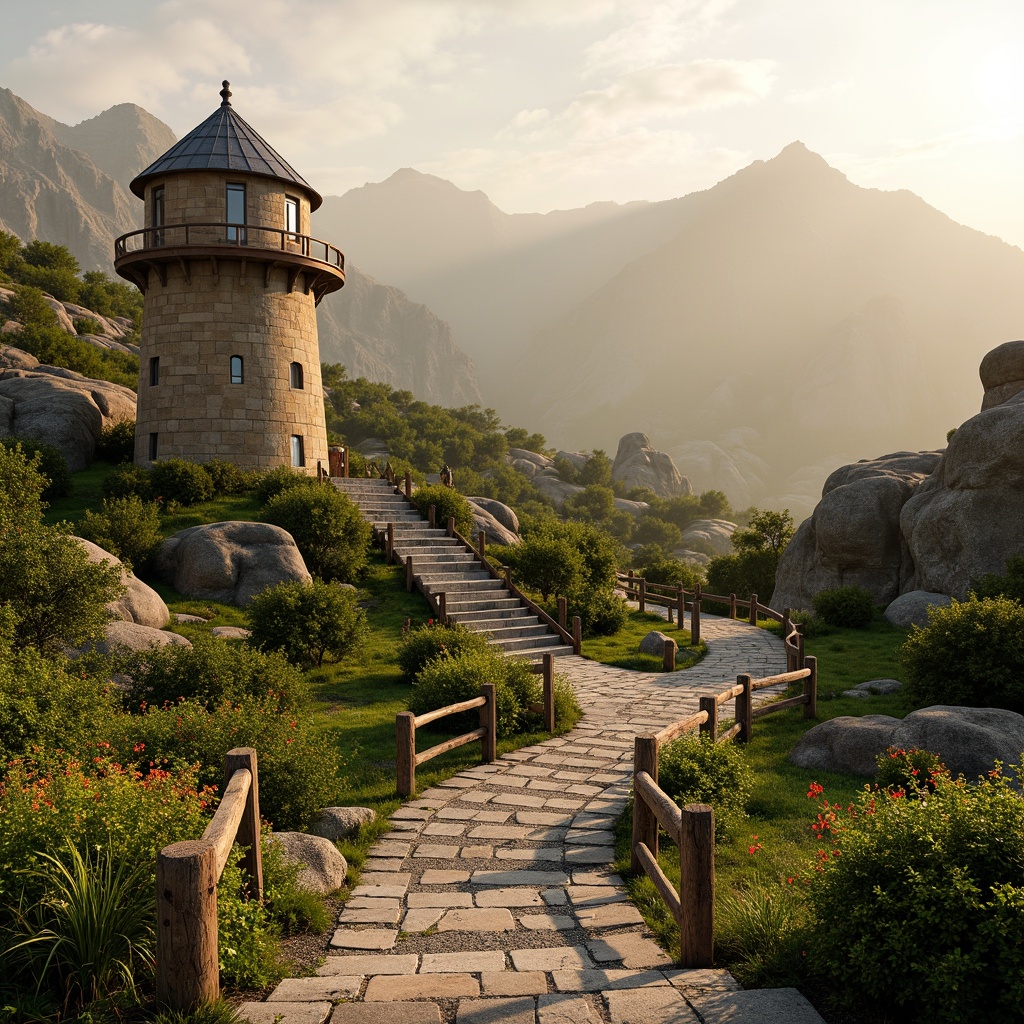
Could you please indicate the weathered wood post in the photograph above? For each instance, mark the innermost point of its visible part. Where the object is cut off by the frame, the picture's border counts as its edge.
(811, 687)
(732, 606)
(549, 692)
(642, 594)
(489, 721)
(669, 656)
(697, 886)
(629, 583)
(710, 705)
(645, 824)
(787, 626)
(432, 515)
(801, 661)
(409, 575)
(187, 965)
(745, 708)
(450, 527)
(508, 577)
(408, 484)
(577, 634)
(405, 752)
(481, 545)
(681, 605)
(563, 612)
(248, 834)
(753, 609)
(391, 543)
(695, 617)
(669, 608)
(442, 608)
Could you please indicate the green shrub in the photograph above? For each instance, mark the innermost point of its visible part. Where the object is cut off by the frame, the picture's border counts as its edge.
(743, 574)
(248, 939)
(117, 442)
(270, 484)
(1009, 584)
(651, 530)
(567, 705)
(21, 488)
(970, 653)
(293, 908)
(845, 607)
(306, 621)
(907, 770)
(187, 483)
(228, 478)
(601, 614)
(126, 480)
(448, 504)
(548, 564)
(330, 532)
(919, 904)
(695, 769)
(128, 528)
(52, 465)
(87, 325)
(434, 640)
(656, 567)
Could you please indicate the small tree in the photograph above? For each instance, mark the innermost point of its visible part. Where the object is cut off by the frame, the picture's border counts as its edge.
(128, 528)
(21, 488)
(448, 504)
(551, 565)
(768, 531)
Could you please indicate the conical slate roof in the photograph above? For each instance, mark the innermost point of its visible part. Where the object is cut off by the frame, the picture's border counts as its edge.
(225, 142)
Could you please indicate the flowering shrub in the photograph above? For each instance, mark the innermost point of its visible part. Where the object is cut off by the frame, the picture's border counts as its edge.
(909, 770)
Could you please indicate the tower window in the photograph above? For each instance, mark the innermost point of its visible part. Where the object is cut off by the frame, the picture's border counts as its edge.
(291, 217)
(237, 370)
(154, 371)
(295, 376)
(158, 214)
(235, 211)
(298, 451)
(152, 447)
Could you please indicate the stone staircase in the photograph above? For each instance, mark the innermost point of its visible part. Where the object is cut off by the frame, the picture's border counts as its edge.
(446, 565)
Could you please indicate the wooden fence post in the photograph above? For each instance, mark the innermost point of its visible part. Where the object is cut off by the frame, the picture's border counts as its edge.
(405, 751)
(187, 965)
(645, 824)
(753, 609)
(577, 634)
(669, 656)
(642, 594)
(442, 608)
(732, 606)
(549, 692)
(710, 705)
(482, 545)
(408, 484)
(697, 886)
(563, 612)
(248, 834)
(787, 625)
(391, 543)
(681, 605)
(489, 721)
(408, 573)
(811, 687)
(450, 527)
(744, 708)
(432, 515)
(629, 583)
(670, 608)
(695, 617)
(508, 577)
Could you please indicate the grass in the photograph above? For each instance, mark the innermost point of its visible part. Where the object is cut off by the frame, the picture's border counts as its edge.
(622, 649)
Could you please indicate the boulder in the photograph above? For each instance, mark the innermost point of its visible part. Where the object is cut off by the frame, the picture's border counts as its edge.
(494, 531)
(853, 536)
(62, 408)
(323, 867)
(713, 535)
(12, 358)
(634, 508)
(552, 486)
(654, 643)
(63, 320)
(131, 636)
(964, 520)
(336, 823)
(501, 512)
(535, 459)
(230, 632)
(1002, 373)
(911, 608)
(846, 744)
(575, 459)
(637, 464)
(230, 562)
(880, 686)
(140, 604)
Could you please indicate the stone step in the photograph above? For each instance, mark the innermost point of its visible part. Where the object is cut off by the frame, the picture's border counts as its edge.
(456, 561)
(504, 631)
(537, 653)
(513, 645)
(438, 578)
(491, 618)
(486, 607)
(466, 587)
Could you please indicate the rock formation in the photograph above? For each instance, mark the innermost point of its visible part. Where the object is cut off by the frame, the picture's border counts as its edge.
(140, 603)
(1002, 373)
(637, 464)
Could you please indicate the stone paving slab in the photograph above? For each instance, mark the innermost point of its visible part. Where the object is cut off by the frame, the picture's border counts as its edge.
(650, 1006)
(309, 990)
(368, 938)
(356, 964)
(552, 958)
(496, 1011)
(759, 1006)
(513, 983)
(284, 1013)
(468, 962)
(380, 1013)
(420, 986)
(421, 920)
(494, 919)
(555, 1008)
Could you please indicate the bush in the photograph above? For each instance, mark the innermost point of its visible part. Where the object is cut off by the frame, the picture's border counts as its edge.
(695, 769)
(128, 528)
(52, 465)
(187, 483)
(434, 640)
(270, 484)
(750, 572)
(970, 653)
(908, 770)
(328, 528)
(1010, 584)
(919, 904)
(117, 442)
(228, 478)
(306, 621)
(847, 607)
(88, 325)
(656, 567)
(448, 503)
(548, 564)
(21, 488)
(127, 479)
(601, 614)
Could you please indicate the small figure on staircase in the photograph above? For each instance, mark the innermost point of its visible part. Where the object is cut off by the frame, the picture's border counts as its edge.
(447, 479)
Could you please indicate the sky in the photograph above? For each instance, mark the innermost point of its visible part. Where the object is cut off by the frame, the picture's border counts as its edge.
(553, 104)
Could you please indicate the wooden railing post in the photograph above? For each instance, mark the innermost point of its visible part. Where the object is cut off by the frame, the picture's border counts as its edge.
(801, 661)
(811, 687)
(745, 708)
(405, 752)
(732, 606)
(391, 543)
(187, 964)
(753, 609)
(669, 608)
(508, 576)
(442, 608)
(409, 574)
(669, 655)
(549, 692)
(681, 605)
(248, 834)
(489, 721)
(629, 583)
(645, 824)
(787, 625)
(450, 526)
(563, 612)
(577, 634)
(432, 515)
(408, 484)
(710, 705)
(695, 617)
(482, 545)
(697, 886)
(642, 594)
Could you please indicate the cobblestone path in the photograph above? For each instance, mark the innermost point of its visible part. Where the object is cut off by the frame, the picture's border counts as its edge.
(492, 897)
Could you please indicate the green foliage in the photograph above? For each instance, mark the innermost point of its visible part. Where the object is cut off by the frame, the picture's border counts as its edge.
(55, 592)
(566, 470)
(87, 325)
(49, 256)
(1009, 584)
(187, 483)
(248, 946)
(686, 508)
(326, 525)
(117, 442)
(656, 567)
(293, 908)
(549, 564)
(228, 478)
(434, 640)
(126, 480)
(52, 465)
(849, 607)
(921, 912)
(448, 504)
(306, 621)
(695, 769)
(282, 478)
(10, 247)
(970, 653)
(595, 505)
(908, 770)
(517, 437)
(601, 614)
(652, 530)
(597, 469)
(128, 528)
(110, 298)
(21, 488)
(743, 574)
(767, 531)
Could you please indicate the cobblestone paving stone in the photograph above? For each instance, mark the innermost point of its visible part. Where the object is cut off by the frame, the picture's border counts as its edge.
(501, 877)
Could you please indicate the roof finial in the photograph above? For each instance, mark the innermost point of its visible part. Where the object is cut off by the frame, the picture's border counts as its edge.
(225, 94)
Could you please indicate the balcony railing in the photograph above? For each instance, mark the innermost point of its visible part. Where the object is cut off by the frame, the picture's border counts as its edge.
(245, 237)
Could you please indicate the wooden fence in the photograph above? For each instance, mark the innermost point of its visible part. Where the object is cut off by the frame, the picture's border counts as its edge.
(406, 724)
(187, 873)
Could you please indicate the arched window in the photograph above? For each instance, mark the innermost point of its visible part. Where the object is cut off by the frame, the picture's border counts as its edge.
(237, 371)
(295, 376)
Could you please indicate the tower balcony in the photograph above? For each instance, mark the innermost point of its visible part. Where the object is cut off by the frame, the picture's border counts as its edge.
(138, 252)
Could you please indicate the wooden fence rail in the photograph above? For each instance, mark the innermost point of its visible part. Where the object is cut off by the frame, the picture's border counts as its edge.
(187, 873)
(406, 724)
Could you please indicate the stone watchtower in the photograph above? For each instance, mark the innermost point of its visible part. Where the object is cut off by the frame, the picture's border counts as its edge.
(229, 361)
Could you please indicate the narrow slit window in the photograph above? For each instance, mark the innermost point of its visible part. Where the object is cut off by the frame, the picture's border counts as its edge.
(153, 447)
(158, 214)
(237, 370)
(154, 371)
(291, 218)
(235, 211)
(295, 376)
(298, 451)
